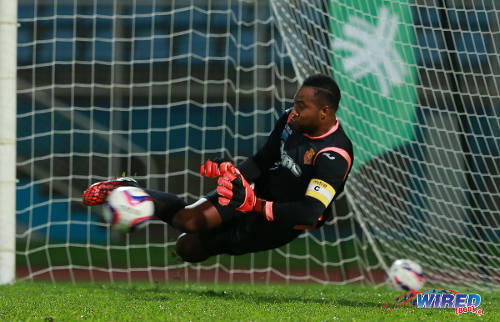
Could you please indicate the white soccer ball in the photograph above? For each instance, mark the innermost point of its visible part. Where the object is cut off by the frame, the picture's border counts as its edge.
(128, 209)
(405, 275)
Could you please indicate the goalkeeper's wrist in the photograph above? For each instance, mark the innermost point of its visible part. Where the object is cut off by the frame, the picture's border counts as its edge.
(264, 207)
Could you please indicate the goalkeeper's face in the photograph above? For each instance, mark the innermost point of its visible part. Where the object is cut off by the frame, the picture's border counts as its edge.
(306, 116)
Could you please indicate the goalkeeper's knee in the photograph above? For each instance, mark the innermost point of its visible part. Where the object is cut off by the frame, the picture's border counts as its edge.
(190, 248)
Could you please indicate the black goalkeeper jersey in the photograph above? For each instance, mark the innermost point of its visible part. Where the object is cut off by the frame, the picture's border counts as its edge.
(295, 166)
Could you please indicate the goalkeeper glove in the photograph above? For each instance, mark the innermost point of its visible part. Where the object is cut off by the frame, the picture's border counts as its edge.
(235, 191)
(213, 169)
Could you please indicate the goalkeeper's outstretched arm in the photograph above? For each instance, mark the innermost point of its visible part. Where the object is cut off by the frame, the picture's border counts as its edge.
(331, 171)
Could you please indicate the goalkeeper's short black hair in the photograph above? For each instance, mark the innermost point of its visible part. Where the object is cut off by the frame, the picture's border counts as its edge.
(326, 88)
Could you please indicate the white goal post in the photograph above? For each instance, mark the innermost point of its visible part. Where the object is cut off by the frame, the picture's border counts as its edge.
(152, 88)
(8, 33)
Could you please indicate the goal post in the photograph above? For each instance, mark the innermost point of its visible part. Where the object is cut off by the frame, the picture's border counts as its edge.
(8, 54)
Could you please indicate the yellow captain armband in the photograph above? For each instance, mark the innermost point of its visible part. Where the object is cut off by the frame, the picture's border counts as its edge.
(320, 190)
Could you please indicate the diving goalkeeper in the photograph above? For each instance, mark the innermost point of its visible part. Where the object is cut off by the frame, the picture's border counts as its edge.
(297, 175)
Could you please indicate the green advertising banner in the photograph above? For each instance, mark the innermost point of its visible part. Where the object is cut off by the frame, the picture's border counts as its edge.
(374, 65)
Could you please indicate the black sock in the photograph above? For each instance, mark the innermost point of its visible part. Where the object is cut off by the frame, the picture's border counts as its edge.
(166, 204)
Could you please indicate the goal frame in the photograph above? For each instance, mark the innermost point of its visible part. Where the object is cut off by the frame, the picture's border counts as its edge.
(8, 107)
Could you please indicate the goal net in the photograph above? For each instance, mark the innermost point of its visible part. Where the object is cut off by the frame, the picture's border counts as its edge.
(153, 88)
(421, 103)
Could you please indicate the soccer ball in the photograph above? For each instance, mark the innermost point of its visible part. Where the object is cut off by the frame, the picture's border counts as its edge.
(128, 209)
(405, 275)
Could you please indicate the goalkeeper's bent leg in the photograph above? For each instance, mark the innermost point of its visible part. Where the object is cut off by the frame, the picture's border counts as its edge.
(190, 248)
(166, 204)
(197, 217)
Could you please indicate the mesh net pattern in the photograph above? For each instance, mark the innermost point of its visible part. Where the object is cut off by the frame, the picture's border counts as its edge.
(421, 102)
(151, 89)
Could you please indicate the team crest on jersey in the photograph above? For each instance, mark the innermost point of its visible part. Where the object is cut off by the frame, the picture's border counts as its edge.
(308, 156)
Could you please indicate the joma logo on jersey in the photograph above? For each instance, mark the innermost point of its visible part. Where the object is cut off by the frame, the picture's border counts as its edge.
(329, 156)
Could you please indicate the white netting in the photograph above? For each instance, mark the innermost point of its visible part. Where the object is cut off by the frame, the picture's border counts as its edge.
(151, 88)
(421, 102)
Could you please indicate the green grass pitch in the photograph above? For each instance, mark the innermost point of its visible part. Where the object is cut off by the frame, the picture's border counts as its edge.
(192, 301)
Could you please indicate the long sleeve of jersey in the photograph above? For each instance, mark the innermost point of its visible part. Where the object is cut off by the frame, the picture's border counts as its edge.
(330, 172)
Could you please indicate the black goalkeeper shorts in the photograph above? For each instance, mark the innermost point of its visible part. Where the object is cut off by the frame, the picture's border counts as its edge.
(242, 233)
